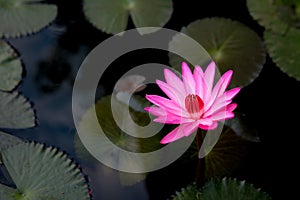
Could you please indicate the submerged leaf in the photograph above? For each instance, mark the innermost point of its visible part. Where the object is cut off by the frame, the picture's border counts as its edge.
(285, 51)
(15, 111)
(112, 16)
(231, 45)
(22, 17)
(225, 156)
(10, 67)
(128, 179)
(42, 173)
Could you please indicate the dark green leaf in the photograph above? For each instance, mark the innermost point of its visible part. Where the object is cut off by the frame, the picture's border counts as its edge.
(225, 189)
(191, 192)
(112, 16)
(230, 44)
(285, 51)
(22, 17)
(231, 189)
(10, 67)
(15, 111)
(42, 173)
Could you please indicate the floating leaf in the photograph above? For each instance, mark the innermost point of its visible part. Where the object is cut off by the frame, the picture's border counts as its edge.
(231, 189)
(276, 16)
(231, 45)
(10, 67)
(285, 51)
(15, 111)
(112, 16)
(115, 132)
(22, 17)
(6, 141)
(225, 189)
(8, 193)
(266, 13)
(191, 192)
(42, 173)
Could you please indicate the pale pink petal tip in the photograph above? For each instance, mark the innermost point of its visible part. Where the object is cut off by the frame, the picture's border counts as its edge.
(173, 135)
(147, 109)
(228, 74)
(230, 94)
(211, 68)
(231, 107)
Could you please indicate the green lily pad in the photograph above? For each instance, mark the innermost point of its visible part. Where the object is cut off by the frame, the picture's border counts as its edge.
(8, 193)
(276, 16)
(112, 16)
(42, 173)
(285, 51)
(15, 111)
(231, 189)
(6, 141)
(10, 67)
(231, 45)
(191, 192)
(117, 135)
(266, 14)
(22, 17)
(225, 189)
(113, 131)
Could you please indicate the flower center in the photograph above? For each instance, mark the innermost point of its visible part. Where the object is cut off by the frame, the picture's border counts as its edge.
(194, 105)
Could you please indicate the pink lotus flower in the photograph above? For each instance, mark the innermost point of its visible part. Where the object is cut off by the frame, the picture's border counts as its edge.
(194, 102)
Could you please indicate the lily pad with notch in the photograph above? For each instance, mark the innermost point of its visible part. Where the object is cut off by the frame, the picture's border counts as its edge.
(285, 51)
(23, 17)
(7, 141)
(15, 111)
(121, 140)
(41, 172)
(10, 67)
(276, 16)
(231, 45)
(112, 16)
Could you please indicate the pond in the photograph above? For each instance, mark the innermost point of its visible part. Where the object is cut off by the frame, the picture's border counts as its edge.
(52, 56)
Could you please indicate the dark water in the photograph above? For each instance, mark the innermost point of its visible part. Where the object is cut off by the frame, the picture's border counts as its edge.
(52, 57)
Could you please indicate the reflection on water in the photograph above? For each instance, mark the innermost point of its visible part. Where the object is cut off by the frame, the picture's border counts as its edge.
(50, 71)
